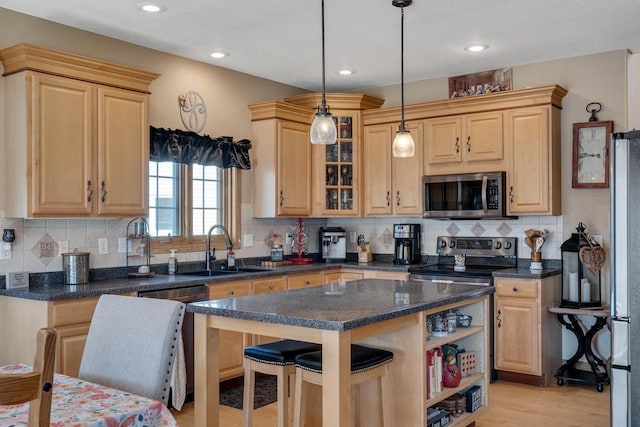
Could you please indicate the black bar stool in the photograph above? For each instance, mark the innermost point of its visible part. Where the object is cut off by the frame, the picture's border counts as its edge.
(275, 358)
(366, 364)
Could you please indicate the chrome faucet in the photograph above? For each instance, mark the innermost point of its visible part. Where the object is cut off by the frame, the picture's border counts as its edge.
(207, 252)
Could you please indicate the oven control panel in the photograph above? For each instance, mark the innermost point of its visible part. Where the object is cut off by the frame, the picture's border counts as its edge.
(481, 246)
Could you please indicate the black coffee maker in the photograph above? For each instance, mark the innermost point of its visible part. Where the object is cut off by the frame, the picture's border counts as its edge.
(407, 243)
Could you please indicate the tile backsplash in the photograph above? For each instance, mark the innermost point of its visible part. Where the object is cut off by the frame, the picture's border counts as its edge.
(35, 248)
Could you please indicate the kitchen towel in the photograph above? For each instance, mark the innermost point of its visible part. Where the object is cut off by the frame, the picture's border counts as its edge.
(179, 377)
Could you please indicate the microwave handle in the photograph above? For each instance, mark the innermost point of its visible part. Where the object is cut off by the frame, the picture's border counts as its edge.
(485, 209)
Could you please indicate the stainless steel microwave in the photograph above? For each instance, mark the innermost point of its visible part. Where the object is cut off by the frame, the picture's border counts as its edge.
(465, 196)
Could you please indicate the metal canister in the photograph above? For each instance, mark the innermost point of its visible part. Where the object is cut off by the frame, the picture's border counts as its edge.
(75, 266)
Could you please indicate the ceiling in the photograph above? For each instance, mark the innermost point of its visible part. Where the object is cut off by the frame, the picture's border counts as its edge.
(281, 40)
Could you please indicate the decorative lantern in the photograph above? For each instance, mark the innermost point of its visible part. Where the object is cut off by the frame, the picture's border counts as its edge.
(582, 260)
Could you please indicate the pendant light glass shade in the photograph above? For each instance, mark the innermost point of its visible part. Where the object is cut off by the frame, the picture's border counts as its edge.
(403, 145)
(323, 128)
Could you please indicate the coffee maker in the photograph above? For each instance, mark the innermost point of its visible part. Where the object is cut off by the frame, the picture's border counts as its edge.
(407, 243)
(333, 244)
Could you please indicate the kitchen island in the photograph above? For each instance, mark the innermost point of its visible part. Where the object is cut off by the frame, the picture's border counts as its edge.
(387, 314)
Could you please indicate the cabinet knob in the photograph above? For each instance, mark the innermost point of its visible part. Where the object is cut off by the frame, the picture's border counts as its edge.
(307, 282)
(515, 289)
(457, 144)
(89, 191)
(270, 287)
(232, 292)
(468, 144)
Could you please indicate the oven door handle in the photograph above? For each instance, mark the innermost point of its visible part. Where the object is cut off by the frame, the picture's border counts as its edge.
(485, 208)
(453, 282)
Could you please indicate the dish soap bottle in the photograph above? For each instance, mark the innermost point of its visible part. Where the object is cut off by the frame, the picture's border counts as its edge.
(231, 259)
(173, 262)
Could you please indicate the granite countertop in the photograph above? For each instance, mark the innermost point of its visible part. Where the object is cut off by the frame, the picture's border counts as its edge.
(340, 307)
(162, 281)
(526, 273)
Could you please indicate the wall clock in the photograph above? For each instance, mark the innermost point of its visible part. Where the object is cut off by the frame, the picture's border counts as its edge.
(591, 154)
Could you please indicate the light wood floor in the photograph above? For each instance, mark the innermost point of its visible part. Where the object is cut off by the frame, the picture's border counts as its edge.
(511, 405)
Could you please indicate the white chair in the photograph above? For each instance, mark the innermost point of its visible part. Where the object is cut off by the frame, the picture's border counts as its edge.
(132, 343)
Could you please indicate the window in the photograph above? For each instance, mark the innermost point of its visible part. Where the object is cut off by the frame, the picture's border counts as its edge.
(185, 201)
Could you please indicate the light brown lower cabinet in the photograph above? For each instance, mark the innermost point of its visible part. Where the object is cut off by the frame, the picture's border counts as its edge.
(232, 344)
(305, 280)
(263, 286)
(528, 339)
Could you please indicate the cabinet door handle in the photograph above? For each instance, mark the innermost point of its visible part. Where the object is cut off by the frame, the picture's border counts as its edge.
(468, 144)
(457, 144)
(89, 191)
(398, 198)
(499, 319)
(232, 292)
(281, 198)
(388, 198)
(511, 194)
(104, 192)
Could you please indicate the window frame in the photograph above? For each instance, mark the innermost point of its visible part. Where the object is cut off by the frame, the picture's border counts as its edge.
(191, 243)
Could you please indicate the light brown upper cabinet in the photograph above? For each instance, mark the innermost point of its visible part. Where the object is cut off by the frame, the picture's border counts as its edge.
(469, 143)
(533, 175)
(392, 185)
(281, 157)
(80, 135)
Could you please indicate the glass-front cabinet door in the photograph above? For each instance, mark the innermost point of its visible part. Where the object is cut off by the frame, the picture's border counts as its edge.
(339, 169)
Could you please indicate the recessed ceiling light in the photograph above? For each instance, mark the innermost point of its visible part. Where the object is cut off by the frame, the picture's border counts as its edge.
(151, 7)
(346, 72)
(219, 55)
(476, 47)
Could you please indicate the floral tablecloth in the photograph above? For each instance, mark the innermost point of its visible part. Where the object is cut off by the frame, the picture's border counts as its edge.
(81, 403)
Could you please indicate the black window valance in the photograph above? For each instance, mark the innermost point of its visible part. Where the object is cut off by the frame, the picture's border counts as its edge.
(179, 146)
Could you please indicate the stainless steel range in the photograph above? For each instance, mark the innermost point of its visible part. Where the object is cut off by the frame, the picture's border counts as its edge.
(470, 261)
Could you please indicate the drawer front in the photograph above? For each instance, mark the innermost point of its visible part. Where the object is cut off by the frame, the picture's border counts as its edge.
(517, 288)
(275, 284)
(305, 280)
(72, 312)
(229, 289)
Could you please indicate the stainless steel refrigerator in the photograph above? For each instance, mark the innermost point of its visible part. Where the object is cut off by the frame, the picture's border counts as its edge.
(625, 279)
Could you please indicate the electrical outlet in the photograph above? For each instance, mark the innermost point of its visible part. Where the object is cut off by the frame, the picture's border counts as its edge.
(5, 251)
(122, 245)
(289, 239)
(247, 240)
(103, 246)
(63, 247)
(352, 237)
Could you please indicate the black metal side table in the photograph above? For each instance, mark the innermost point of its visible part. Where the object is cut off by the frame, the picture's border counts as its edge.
(568, 372)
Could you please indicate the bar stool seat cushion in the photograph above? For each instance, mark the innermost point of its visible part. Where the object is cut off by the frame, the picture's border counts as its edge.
(279, 352)
(362, 359)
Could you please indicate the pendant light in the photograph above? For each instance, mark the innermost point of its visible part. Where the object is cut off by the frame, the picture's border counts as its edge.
(403, 145)
(323, 128)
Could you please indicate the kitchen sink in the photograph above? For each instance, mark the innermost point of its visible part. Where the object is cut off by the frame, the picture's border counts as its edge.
(225, 272)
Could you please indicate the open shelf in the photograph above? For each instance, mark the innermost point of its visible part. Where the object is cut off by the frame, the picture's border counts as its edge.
(465, 383)
(460, 333)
